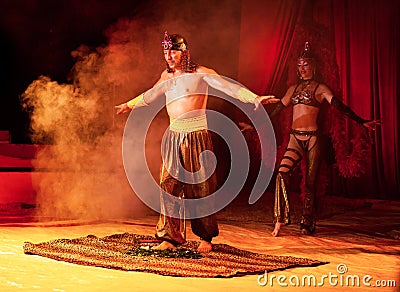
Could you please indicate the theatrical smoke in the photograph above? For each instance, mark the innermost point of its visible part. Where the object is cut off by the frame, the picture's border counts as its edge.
(76, 121)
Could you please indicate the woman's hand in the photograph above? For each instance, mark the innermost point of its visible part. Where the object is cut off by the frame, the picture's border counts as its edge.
(372, 124)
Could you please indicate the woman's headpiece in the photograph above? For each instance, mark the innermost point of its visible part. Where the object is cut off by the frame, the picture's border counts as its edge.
(306, 53)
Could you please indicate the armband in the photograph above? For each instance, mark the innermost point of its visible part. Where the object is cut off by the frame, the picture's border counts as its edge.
(245, 95)
(137, 101)
(344, 109)
(277, 109)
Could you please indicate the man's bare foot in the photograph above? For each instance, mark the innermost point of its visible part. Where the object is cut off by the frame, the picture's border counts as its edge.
(204, 246)
(277, 228)
(164, 245)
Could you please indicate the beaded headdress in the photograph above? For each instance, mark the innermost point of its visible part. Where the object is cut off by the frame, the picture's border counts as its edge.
(178, 42)
(174, 42)
(306, 53)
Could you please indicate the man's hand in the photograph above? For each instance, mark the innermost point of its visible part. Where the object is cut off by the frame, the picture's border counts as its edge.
(122, 108)
(265, 99)
(245, 126)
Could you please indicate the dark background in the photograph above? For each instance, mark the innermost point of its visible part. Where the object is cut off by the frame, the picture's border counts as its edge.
(37, 38)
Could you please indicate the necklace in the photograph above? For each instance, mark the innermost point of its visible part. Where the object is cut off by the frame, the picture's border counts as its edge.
(305, 84)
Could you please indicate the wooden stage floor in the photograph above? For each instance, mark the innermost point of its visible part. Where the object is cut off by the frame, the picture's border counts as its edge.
(364, 241)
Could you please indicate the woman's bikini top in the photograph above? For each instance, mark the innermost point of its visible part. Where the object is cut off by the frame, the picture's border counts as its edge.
(304, 93)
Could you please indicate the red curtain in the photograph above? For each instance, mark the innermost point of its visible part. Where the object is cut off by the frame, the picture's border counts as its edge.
(363, 38)
(266, 35)
(367, 46)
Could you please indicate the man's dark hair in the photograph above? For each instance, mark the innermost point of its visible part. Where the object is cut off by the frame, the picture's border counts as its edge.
(179, 43)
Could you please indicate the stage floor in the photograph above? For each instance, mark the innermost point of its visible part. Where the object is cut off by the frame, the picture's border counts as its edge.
(366, 241)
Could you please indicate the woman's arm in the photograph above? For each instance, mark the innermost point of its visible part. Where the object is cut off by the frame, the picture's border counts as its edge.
(327, 94)
(282, 102)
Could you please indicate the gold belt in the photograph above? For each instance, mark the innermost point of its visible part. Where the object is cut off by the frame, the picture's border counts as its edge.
(188, 125)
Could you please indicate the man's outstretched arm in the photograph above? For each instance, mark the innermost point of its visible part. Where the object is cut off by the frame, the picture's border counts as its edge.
(144, 98)
(235, 90)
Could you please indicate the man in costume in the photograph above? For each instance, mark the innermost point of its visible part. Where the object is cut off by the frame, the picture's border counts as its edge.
(306, 98)
(185, 85)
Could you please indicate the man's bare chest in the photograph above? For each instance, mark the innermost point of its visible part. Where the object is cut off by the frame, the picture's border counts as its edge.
(185, 85)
